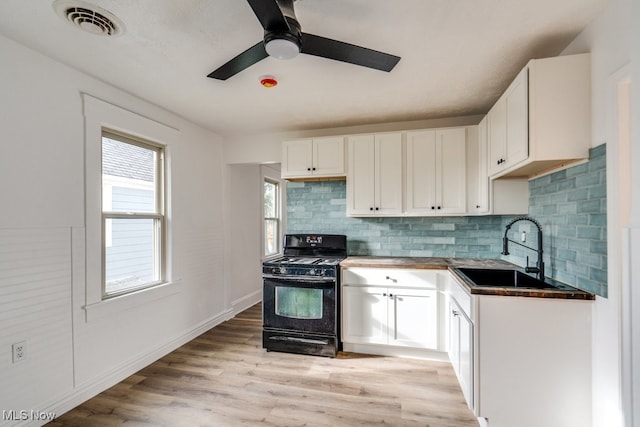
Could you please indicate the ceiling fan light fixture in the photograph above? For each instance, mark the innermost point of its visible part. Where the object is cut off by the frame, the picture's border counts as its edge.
(282, 48)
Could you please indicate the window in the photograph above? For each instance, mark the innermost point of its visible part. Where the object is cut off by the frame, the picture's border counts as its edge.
(132, 214)
(271, 211)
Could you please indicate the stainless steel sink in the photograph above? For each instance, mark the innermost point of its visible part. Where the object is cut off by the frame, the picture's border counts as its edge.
(503, 278)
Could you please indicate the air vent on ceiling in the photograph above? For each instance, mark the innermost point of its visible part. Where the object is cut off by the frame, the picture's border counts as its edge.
(88, 18)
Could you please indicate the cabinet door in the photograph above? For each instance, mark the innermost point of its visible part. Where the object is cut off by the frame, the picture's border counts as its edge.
(461, 350)
(454, 337)
(517, 106)
(388, 174)
(497, 134)
(360, 175)
(297, 158)
(420, 172)
(364, 315)
(328, 156)
(451, 169)
(466, 359)
(414, 318)
(477, 174)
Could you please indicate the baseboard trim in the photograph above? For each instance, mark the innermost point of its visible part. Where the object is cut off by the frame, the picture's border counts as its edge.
(241, 304)
(388, 350)
(84, 392)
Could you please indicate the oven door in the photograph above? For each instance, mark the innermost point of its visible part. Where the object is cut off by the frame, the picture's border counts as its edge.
(300, 304)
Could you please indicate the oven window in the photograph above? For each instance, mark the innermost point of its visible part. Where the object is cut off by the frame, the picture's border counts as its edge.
(299, 303)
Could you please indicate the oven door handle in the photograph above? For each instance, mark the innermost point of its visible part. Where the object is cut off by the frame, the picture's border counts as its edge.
(299, 279)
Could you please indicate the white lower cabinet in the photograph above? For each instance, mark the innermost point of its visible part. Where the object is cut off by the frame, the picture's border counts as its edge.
(364, 315)
(522, 361)
(393, 316)
(413, 314)
(404, 315)
(461, 349)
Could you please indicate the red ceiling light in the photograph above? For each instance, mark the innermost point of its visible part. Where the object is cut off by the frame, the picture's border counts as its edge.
(268, 81)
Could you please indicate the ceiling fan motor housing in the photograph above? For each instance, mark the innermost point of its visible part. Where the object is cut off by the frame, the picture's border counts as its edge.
(284, 42)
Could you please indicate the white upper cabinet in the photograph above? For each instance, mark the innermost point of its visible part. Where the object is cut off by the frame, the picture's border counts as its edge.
(543, 120)
(374, 179)
(313, 158)
(477, 175)
(491, 196)
(436, 172)
(507, 124)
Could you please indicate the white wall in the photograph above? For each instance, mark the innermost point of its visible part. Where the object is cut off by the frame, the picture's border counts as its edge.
(267, 148)
(609, 38)
(244, 225)
(43, 283)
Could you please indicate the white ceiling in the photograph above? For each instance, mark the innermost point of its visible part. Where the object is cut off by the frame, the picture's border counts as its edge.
(457, 56)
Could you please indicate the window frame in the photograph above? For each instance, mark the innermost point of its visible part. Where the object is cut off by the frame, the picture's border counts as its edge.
(158, 216)
(141, 121)
(278, 218)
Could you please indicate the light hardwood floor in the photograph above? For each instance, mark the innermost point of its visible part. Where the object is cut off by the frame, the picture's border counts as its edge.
(225, 378)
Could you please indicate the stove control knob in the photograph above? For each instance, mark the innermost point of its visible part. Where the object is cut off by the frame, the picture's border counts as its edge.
(313, 272)
(282, 270)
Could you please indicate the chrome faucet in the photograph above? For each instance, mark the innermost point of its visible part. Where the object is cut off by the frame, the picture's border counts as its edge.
(539, 268)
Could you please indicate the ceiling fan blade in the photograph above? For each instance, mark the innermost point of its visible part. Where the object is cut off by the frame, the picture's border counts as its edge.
(246, 59)
(346, 52)
(269, 14)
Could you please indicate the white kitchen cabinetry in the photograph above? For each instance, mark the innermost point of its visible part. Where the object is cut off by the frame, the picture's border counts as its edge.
(508, 196)
(508, 126)
(477, 175)
(313, 158)
(374, 175)
(461, 349)
(436, 172)
(543, 120)
(364, 315)
(528, 362)
(390, 307)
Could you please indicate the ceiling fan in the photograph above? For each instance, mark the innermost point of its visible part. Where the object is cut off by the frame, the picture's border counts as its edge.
(284, 39)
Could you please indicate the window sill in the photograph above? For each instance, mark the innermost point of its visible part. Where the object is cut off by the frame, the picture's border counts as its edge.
(270, 257)
(115, 305)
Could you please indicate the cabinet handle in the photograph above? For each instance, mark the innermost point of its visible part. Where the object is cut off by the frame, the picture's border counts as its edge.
(433, 207)
(455, 313)
(384, 294)
(439, 207)
(377, 208)
(313, 168)
(390, 295)
(308, 169)
(370, 209)
(477, 206)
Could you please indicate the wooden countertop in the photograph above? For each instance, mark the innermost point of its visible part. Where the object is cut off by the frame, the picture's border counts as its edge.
(563, 291)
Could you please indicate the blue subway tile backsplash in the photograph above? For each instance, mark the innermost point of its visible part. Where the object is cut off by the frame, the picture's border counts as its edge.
(569, 204)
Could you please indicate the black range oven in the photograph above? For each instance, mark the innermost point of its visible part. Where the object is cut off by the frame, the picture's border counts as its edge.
(300, 295)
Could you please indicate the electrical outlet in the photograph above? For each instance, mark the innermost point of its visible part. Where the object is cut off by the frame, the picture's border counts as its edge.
(19, 351)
